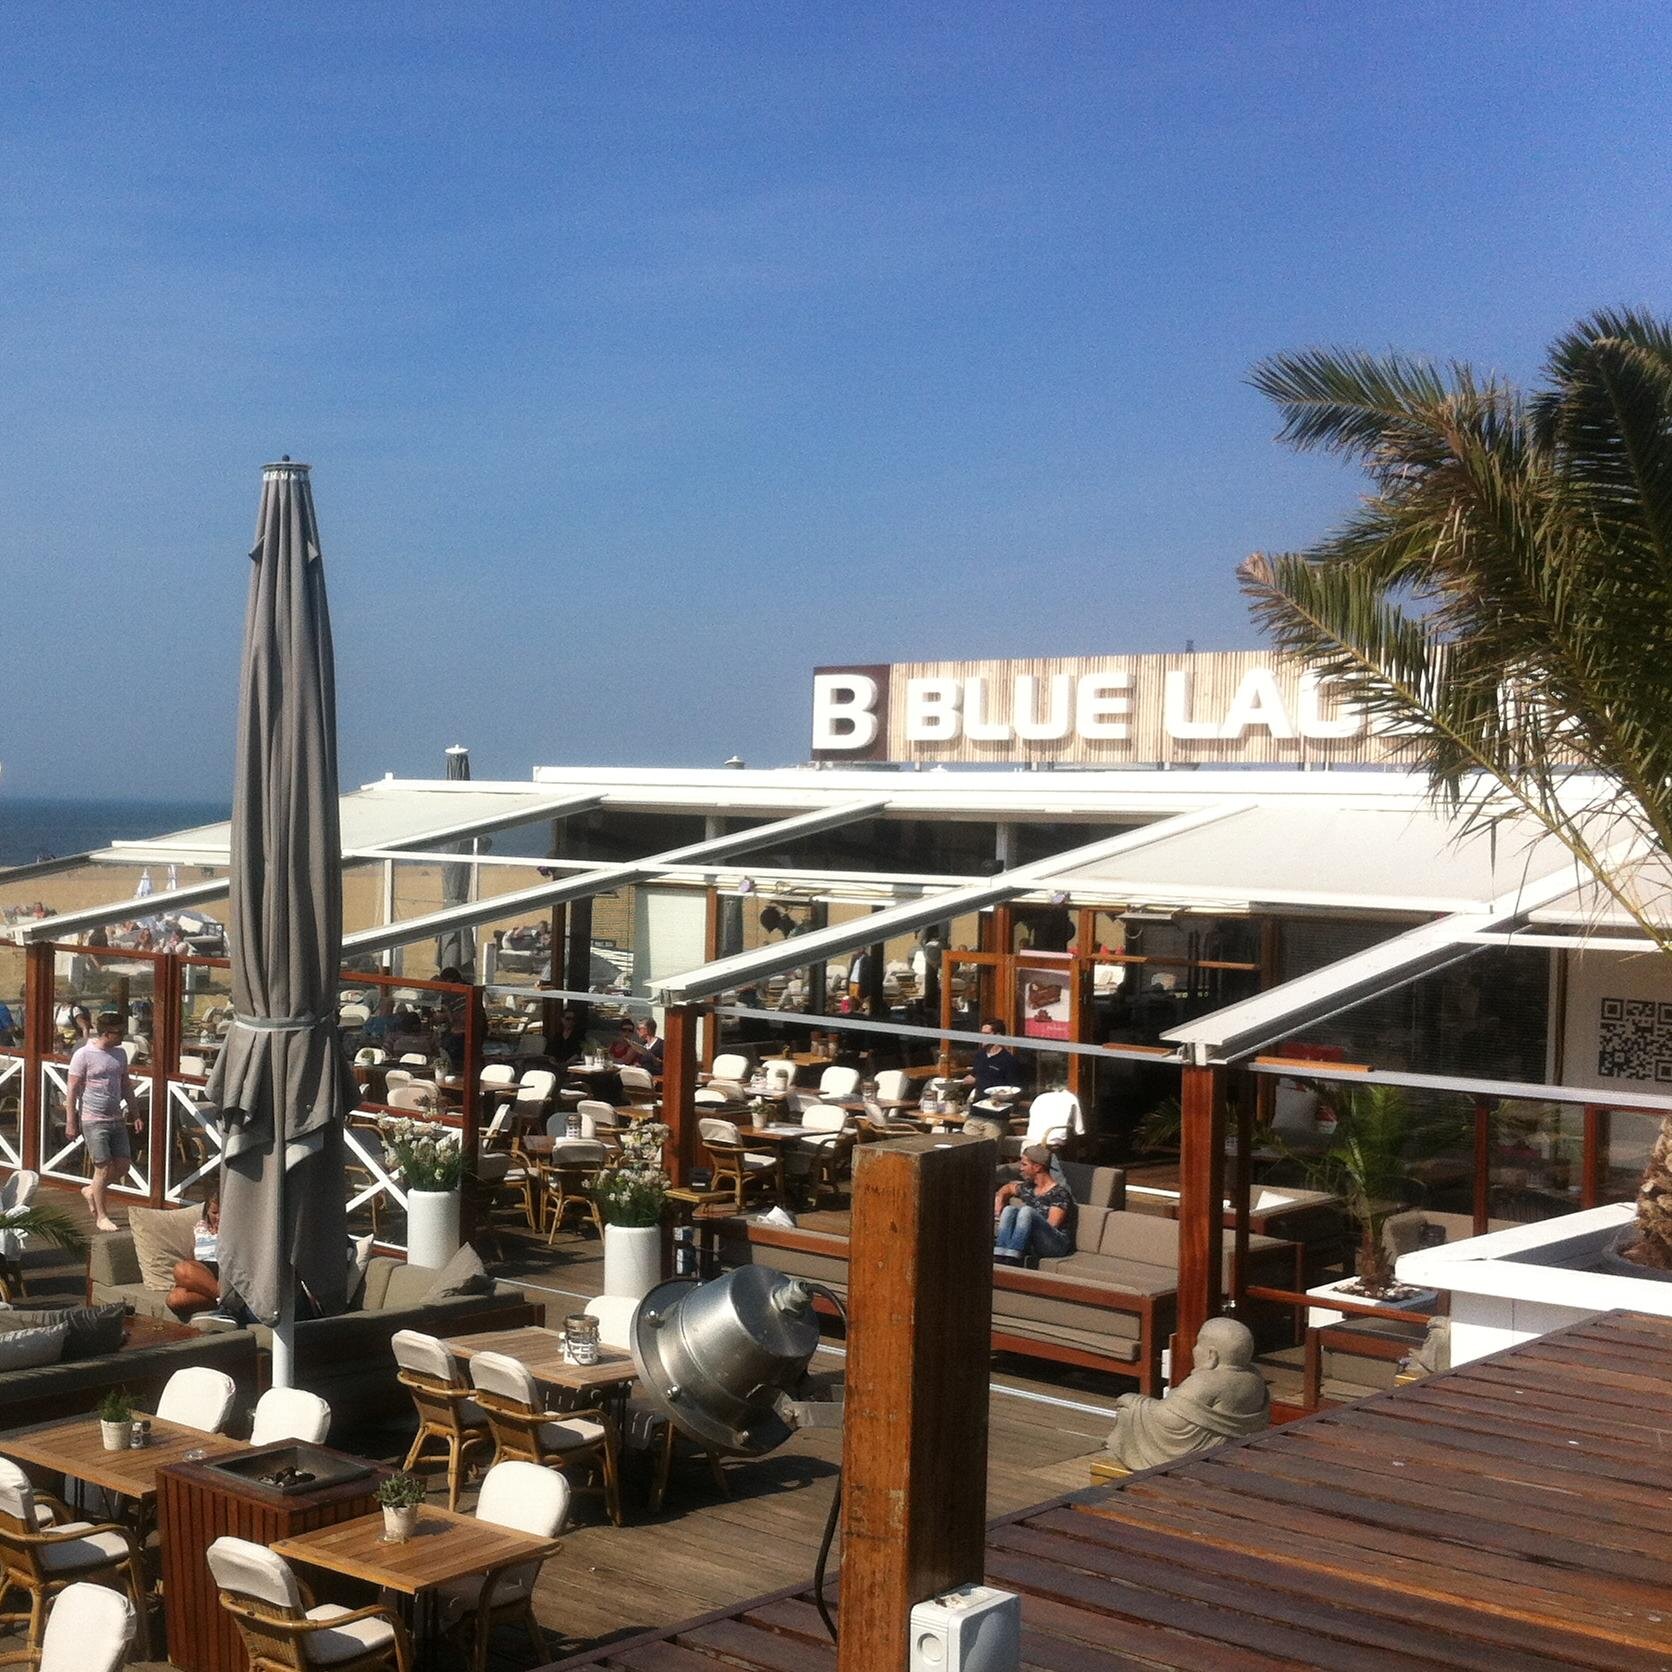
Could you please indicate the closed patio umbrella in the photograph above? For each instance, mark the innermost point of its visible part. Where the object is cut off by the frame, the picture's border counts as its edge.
(282, 1082)
(456, 949)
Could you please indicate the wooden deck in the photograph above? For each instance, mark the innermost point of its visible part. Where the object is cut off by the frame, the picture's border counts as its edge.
(1506, 1515)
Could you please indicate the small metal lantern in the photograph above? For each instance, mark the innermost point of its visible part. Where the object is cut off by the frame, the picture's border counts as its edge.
(581, 1338)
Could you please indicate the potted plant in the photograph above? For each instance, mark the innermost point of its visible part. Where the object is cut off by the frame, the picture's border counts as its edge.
(1375, 1141)
(631, 1197)
(428, 1163)
(116, 1415)
(400, 1495)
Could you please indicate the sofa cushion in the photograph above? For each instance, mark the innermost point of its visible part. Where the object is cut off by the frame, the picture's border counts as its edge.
(28, 1346)
(464, 1274)
(407, 1285)
(1131, 1275)
(1095, 1187)
(1088, 1230)
(1046, 1312)
(379, 1269)
(111, 1261)
(89, 1329)
(162, 1237)
(1144, 1237)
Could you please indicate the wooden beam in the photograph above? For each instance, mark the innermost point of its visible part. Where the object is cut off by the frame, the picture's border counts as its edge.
(1201, 1209)
(680, 1023)
(37, 1043)
(914, 1448)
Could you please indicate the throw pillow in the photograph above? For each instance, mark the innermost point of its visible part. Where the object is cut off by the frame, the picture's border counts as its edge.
(359, 1257)
(464, 1274)
(24, 1349)
(90, 1330)
(162, 1237)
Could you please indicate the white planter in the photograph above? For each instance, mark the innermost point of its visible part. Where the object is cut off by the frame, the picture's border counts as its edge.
(1510, 1286)
(432, 1226)
(632, 1260)
(400, 1524)
(117, 1436)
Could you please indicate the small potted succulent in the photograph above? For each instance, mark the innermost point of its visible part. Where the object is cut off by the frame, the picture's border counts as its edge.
(116, 1415)
(400, 1495)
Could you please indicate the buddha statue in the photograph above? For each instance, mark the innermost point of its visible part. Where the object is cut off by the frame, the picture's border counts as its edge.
(1223, 1398)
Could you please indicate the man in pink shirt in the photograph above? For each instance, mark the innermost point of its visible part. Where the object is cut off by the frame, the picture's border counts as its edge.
(101, 1107)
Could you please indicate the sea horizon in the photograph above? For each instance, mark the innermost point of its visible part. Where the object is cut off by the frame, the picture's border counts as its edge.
(33, 827)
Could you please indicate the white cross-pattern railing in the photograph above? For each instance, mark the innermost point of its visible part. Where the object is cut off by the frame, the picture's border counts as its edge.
(11, 1111)
(187, 1118)
(55, 1091)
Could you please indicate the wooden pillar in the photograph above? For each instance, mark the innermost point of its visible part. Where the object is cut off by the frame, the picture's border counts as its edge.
(470, 1101)
(914, 1447)
(1483, 1164)
(37, 1043)
(1592, 1155)
(577, 975)
(818, 975)
(165, 1066)
(680, 1023)
(1242, 1181)
(1201, 1209)
(711, 954)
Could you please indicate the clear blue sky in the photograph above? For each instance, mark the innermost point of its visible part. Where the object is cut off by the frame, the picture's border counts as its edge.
(647, 356)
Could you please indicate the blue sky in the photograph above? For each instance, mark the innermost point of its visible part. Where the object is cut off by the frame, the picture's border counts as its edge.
(648, 356)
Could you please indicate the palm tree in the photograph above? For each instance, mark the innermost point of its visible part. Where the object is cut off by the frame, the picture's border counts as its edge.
(1503, 597)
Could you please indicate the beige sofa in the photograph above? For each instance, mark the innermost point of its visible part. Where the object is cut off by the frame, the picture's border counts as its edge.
(1110, 1305)
(346, 1360)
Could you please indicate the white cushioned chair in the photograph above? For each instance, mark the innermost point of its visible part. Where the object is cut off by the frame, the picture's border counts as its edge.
(731, 1164)
(198, 1397)
(43, 1551)
(446, 1412)
(523, 1431)
(527, 1499)
(284, 1631)
(290, 1414)
(1053, 1119)
(837, 1081)
(730, 1065)
(89, 1631)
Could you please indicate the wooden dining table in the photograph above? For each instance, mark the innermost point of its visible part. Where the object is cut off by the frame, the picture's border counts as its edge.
(540, 1352)
(74, 1447)
(445, 1545)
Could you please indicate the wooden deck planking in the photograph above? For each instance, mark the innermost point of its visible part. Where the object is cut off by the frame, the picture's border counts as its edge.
(1499, 1516)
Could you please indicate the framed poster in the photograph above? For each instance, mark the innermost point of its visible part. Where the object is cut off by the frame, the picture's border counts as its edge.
(1042, 1001)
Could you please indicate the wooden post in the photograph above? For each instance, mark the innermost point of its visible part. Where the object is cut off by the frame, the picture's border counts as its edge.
(1243, 1179)
(470, 1097)
(680, 1023)
(711, 952)
(1483, 1164)
(914, 1448)
(1595, 1147)
(1201, 1209)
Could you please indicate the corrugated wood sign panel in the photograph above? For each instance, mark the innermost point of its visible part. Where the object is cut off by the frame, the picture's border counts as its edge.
(1507, 1515)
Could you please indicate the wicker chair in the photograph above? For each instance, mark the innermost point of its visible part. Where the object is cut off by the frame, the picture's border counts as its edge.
(734, 1166)
(524, 1432)
(43, 1550)
(284, 1631)
(527, 1499)
(446, 1412)
(89, 1631)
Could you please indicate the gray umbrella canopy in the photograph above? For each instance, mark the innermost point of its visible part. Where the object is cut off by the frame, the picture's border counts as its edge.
(282, 1081)
(457, 948)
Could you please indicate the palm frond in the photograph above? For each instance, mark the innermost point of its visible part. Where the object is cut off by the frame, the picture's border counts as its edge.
(51, 1224)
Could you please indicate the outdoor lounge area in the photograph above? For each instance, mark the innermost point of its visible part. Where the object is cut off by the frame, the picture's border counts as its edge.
(1186, 1058)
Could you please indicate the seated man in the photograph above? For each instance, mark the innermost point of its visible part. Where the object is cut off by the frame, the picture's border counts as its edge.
(1034, 1214)
(1223, 1398)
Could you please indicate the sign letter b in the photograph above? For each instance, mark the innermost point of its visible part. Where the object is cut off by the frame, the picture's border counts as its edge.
(844, 711)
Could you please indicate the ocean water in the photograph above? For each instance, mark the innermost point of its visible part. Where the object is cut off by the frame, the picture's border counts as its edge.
(34, 828)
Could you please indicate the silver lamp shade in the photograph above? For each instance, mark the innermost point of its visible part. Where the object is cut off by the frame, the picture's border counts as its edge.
(716, 1357)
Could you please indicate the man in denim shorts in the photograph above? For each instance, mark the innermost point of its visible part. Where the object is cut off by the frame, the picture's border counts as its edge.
(101, 1095)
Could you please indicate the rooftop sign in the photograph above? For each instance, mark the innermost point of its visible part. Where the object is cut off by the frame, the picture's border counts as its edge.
(1233, 707)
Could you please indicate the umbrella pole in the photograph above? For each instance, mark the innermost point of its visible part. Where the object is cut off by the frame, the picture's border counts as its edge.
(284, 1340)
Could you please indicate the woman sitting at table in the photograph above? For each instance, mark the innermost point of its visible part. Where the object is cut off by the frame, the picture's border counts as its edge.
(624, 1048)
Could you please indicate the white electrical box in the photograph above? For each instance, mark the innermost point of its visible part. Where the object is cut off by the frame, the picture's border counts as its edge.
(972, 1629)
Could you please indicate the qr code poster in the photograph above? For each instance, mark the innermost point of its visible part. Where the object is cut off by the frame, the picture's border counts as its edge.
(1634, 1040)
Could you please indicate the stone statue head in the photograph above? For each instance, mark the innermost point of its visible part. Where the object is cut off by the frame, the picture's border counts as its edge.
(1224, 1341)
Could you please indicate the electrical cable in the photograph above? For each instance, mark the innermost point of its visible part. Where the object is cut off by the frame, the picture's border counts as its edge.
(836, 1497)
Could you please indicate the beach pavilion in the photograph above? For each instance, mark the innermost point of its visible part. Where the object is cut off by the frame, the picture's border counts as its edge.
(1233, 940)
